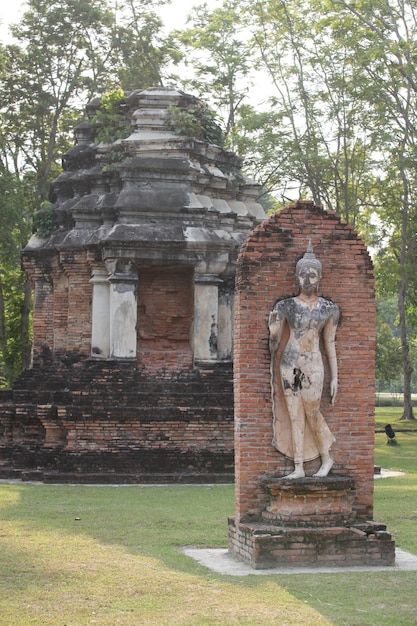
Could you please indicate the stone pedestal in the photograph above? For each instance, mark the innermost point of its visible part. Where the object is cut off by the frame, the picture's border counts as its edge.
(309, 502)
(264, 546)
(310, 521)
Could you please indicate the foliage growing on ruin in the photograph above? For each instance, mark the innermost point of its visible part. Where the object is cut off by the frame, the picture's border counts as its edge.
(109, 122)
(198, 122)
(44, 219)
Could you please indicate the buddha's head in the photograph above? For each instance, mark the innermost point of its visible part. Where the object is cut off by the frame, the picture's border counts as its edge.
(308, 271)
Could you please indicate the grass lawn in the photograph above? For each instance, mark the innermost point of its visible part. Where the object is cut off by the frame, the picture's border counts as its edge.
(392, 415)
(78, 555)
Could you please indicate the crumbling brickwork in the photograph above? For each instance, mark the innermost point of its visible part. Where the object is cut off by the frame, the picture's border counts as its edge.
(94, 422)
(133, 303)
(306, 520)
(165, 315)
(266, 272)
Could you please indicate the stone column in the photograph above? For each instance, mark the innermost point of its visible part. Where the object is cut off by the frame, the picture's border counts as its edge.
(206, 317)
(43, 317)
(225, 323)
(123, 312)
(100, 314)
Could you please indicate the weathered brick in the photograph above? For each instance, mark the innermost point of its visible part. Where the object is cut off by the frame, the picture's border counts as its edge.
(265, 273)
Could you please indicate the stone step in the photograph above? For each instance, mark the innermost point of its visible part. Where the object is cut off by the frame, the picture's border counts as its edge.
(127, 400)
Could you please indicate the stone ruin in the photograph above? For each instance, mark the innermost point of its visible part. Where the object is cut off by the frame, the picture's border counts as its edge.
(131, 376)
(285, 518)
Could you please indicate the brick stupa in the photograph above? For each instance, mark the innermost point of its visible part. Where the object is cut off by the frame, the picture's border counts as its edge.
(133, 297)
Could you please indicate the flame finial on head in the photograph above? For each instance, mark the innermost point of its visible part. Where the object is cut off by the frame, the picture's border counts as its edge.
(309, 259)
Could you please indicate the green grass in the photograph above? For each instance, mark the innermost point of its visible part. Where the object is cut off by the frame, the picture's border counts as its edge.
(396, 497)
(392, 415)
(78, 555)
(107, 555)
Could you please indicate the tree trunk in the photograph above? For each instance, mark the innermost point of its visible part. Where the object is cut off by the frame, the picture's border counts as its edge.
(403, 289)
(407, 367)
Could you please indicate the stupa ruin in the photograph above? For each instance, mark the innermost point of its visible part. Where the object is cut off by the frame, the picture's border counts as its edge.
(131, 376)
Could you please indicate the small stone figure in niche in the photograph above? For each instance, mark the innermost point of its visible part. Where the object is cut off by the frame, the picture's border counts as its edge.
(297, 372)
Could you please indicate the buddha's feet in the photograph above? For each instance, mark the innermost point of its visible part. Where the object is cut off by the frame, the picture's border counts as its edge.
(297, 473)
(325, 468)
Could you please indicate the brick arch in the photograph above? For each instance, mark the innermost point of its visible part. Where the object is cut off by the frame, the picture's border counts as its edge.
(265, 273)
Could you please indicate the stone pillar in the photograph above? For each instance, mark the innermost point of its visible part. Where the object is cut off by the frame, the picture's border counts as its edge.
(225, 323)
(100, 314)
(206, 317)
(43, 307)
(123, 312)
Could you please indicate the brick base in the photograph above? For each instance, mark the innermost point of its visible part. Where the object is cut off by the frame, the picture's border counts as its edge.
(309, 502)
(91, 421)
(309, 521)
(114, 478)
(264, 546)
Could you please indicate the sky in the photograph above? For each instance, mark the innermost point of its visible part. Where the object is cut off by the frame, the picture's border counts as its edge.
(9, 14)
(173, 15)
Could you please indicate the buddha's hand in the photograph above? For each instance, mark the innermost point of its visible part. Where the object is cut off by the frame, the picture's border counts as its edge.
(333, 390)
(274, 324)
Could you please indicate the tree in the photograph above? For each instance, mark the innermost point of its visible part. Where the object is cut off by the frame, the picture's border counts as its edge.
(57, 61)
(139, 51)
(322, 143)
(51, 64)
(382, 38)
(215, 49)
(15, 293)
(388, 346)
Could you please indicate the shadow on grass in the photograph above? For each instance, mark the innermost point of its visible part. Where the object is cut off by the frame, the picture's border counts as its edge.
(116, 548)
(150, 522)
(61, 539)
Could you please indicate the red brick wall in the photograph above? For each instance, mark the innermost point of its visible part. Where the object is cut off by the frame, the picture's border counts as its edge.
(103, 417)
(62, 303)
(265, 273)
(165, 314)
(62, 311)
(77, 269)
(158, 416)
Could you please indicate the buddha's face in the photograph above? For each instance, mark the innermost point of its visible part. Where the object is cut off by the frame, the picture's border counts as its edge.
(308, 278)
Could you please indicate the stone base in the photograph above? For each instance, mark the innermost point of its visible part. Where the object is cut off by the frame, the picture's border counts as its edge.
(309, 502)
(85, 420)
(114, 478)
(264, 546)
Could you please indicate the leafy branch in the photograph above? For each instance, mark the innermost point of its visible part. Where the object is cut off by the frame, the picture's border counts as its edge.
(198, 122)
(44, 220)
(109, 122)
